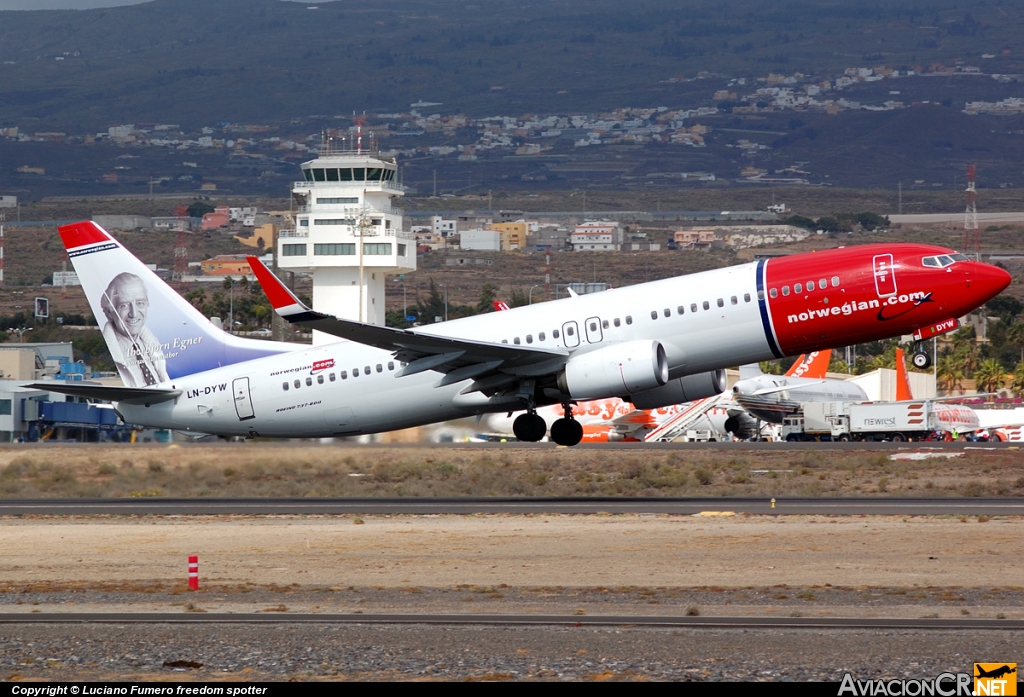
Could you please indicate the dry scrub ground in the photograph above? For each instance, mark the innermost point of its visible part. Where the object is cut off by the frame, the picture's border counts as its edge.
(851, 566)
(300, 469)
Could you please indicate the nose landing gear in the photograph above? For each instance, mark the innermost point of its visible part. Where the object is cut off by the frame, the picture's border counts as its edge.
(921, 359)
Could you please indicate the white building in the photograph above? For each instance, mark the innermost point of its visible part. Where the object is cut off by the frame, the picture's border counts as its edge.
(481, 240)
(347, 233)
(441, 226)
(596, 236)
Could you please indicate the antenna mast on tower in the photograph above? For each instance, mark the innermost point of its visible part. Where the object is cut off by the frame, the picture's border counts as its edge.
(972, 236)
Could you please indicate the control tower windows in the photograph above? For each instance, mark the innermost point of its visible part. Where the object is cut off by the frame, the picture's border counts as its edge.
(334, 249)
(332, 175)
(318, 175)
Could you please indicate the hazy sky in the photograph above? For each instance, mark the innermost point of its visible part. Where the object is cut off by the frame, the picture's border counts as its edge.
(62, 4)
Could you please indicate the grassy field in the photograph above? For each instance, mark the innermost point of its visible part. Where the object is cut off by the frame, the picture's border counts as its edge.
(302, 470)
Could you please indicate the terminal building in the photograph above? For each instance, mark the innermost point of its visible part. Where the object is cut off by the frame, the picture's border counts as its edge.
(348, 233)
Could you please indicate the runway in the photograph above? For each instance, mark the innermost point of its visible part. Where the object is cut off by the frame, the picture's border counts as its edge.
(515, 506)
(509, 620)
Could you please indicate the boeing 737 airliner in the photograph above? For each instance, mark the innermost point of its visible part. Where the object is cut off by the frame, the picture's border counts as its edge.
(654, 344)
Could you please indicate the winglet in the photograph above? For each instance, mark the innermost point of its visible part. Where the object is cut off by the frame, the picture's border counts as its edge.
(284, 301)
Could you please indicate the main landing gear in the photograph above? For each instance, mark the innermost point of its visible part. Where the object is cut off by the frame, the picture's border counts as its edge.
(567, 430)
(529, 427)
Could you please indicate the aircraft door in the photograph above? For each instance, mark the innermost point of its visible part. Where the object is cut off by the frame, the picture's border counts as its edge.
(885, 275)
(570, 335)
(594, 334)
(243, 402)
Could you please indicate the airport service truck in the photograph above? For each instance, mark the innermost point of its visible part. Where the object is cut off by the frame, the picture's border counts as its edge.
(874, 421)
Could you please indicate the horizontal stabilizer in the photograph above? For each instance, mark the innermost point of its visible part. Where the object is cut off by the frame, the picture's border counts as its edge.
(135, 395)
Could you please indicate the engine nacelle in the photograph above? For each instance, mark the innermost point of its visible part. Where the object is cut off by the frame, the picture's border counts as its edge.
(615, 371)
(685, 389)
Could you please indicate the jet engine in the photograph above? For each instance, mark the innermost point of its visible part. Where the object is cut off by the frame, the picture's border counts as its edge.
(615, 371)
(685, 389)
(741, 425)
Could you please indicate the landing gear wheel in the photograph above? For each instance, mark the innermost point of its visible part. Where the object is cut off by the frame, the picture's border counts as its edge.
(921, 360)
(529, 427)
(566, 431)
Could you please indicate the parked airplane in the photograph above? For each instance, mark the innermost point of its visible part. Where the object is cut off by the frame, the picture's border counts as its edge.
(771, 397)
(658, 343)
(614, 419)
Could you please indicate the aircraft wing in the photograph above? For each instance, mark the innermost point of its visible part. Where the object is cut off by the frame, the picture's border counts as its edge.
(139, 395)
(490, 364)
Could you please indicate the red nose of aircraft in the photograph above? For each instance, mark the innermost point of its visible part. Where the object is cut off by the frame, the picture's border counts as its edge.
(986, 281)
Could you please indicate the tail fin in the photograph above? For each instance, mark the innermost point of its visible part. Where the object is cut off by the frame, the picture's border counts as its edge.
(903, 393)
(153, 334)
(811, 365)
(750, 370)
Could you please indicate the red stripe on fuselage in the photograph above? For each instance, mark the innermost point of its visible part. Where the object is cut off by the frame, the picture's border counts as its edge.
(864, 307)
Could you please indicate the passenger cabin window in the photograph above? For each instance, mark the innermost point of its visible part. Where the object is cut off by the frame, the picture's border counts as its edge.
(774, 293)
(331, 377)
(516, 341)
(654, 314)
(785, 290)
(604, 324)
(355, 372)
(569, 331)
(380, 368)
(391, 365)
(679, 310)
(822, 284)
(667, 312)
(344, 375)
(693, 307)
(835, 281)
(298, 384)
(810, 286)
(367, 370)
(320, 379)
(284, 386)
(540, 337)
(746, 297)
(309, 382)
(733, 300)
(798, 288)
(554, 334)
(707, 305)
(529, 338)
(721, 303)
(629, 319)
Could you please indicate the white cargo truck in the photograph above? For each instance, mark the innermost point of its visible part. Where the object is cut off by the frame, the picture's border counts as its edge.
(875, 421)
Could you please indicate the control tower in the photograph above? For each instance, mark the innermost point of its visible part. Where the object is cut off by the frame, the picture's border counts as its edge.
(348, 233)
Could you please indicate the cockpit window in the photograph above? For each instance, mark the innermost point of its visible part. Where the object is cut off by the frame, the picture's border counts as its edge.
(942, 260)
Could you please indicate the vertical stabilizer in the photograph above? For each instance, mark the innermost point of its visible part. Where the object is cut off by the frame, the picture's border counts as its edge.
(153, 334)
(811, 365)
(903, 393)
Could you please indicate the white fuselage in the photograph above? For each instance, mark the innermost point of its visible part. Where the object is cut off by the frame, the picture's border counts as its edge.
(251, 398)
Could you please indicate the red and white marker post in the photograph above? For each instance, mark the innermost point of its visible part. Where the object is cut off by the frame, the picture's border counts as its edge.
(193, 572)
